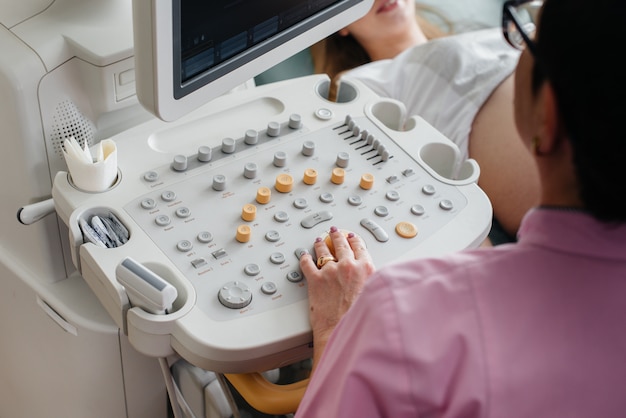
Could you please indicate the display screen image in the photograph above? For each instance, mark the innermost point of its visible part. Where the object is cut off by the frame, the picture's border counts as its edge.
(188, 52)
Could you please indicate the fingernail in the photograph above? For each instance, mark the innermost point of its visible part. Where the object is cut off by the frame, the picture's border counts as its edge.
(350, 234)
(333, 229)
(318, 239)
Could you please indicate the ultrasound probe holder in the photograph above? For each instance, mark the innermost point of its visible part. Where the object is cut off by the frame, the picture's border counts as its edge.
(182, 214)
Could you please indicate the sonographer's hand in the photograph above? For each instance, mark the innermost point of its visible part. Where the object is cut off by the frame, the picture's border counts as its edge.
(334, 281)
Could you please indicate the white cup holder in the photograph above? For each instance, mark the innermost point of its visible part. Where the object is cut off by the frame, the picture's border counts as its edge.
(439, 155)
(346, 92)
(445, 160)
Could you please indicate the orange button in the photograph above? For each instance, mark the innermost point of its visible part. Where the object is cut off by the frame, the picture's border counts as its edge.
(329, 242)
(338, 175)
(310, 176)
(284, 183)
(248, 213)
(367, 181)
(243, 233)
(406, 229)
(263, 195)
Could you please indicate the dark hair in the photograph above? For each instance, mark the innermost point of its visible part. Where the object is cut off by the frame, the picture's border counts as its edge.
(579, 45)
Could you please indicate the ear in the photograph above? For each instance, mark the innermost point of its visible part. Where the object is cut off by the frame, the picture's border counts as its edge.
(548, 118)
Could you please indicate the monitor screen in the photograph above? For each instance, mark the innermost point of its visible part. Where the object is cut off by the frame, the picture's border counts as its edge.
(188, 52)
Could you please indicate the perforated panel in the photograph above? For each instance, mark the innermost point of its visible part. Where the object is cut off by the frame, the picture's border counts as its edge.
(69, 122)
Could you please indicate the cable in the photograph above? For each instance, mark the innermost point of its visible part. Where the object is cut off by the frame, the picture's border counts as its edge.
(229, 396)
(180, 407)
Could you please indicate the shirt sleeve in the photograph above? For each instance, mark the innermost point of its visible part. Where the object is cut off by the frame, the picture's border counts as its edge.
(407, 349)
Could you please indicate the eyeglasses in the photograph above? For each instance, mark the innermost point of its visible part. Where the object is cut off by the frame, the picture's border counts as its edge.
(519, 18)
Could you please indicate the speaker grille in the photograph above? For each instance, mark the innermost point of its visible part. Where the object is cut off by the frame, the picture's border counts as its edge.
(69, 122)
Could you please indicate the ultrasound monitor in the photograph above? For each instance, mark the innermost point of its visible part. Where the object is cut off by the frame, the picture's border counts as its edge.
(187, 52)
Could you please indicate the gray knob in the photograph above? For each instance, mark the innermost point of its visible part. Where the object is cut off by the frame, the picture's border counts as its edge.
(179, 163)
(249, 170)
(204, 154)
(273, 129)
(228, 145)
(251, 137)
(235, 295)
(219, 182)
(342, 159)
(308, 148)
(280, 159)
(295, 121)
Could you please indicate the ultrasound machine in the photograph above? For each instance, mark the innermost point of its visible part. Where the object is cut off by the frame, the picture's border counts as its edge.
(160, 276)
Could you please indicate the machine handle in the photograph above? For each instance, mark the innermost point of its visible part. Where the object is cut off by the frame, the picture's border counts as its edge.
(267, 397)
(30, 214)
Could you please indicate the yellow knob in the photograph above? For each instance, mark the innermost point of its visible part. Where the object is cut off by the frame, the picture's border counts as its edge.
(338, 175)
(263, 195)
(406, 229)
(248, 213)
(310, 176)
(243, 233)
(329, 242)
(284, 183)
(367, 181)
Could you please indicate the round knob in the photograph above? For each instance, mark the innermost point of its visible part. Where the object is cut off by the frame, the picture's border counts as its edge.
(406, 229)
(251, 137)
(248, 212)
(308, 148)
(205, 154)
(284, 183)
(295, 121)
(342, 159)
(179, 163)
(235, 295)
(219, 182)
(243, 233)
(338, 175)
(280, 159)
(263, 195)
(228, 145)
(273, 129)
(367, 181)
(329, 241)
(250, 170)
(310, 176)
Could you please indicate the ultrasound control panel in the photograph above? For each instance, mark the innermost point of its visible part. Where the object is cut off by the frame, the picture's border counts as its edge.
(225, 214)
(249, 206)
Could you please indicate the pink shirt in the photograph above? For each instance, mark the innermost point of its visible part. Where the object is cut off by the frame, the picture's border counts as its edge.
(533, 329)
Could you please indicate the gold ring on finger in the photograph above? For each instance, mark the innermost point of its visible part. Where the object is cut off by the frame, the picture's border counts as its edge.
(321, 262)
